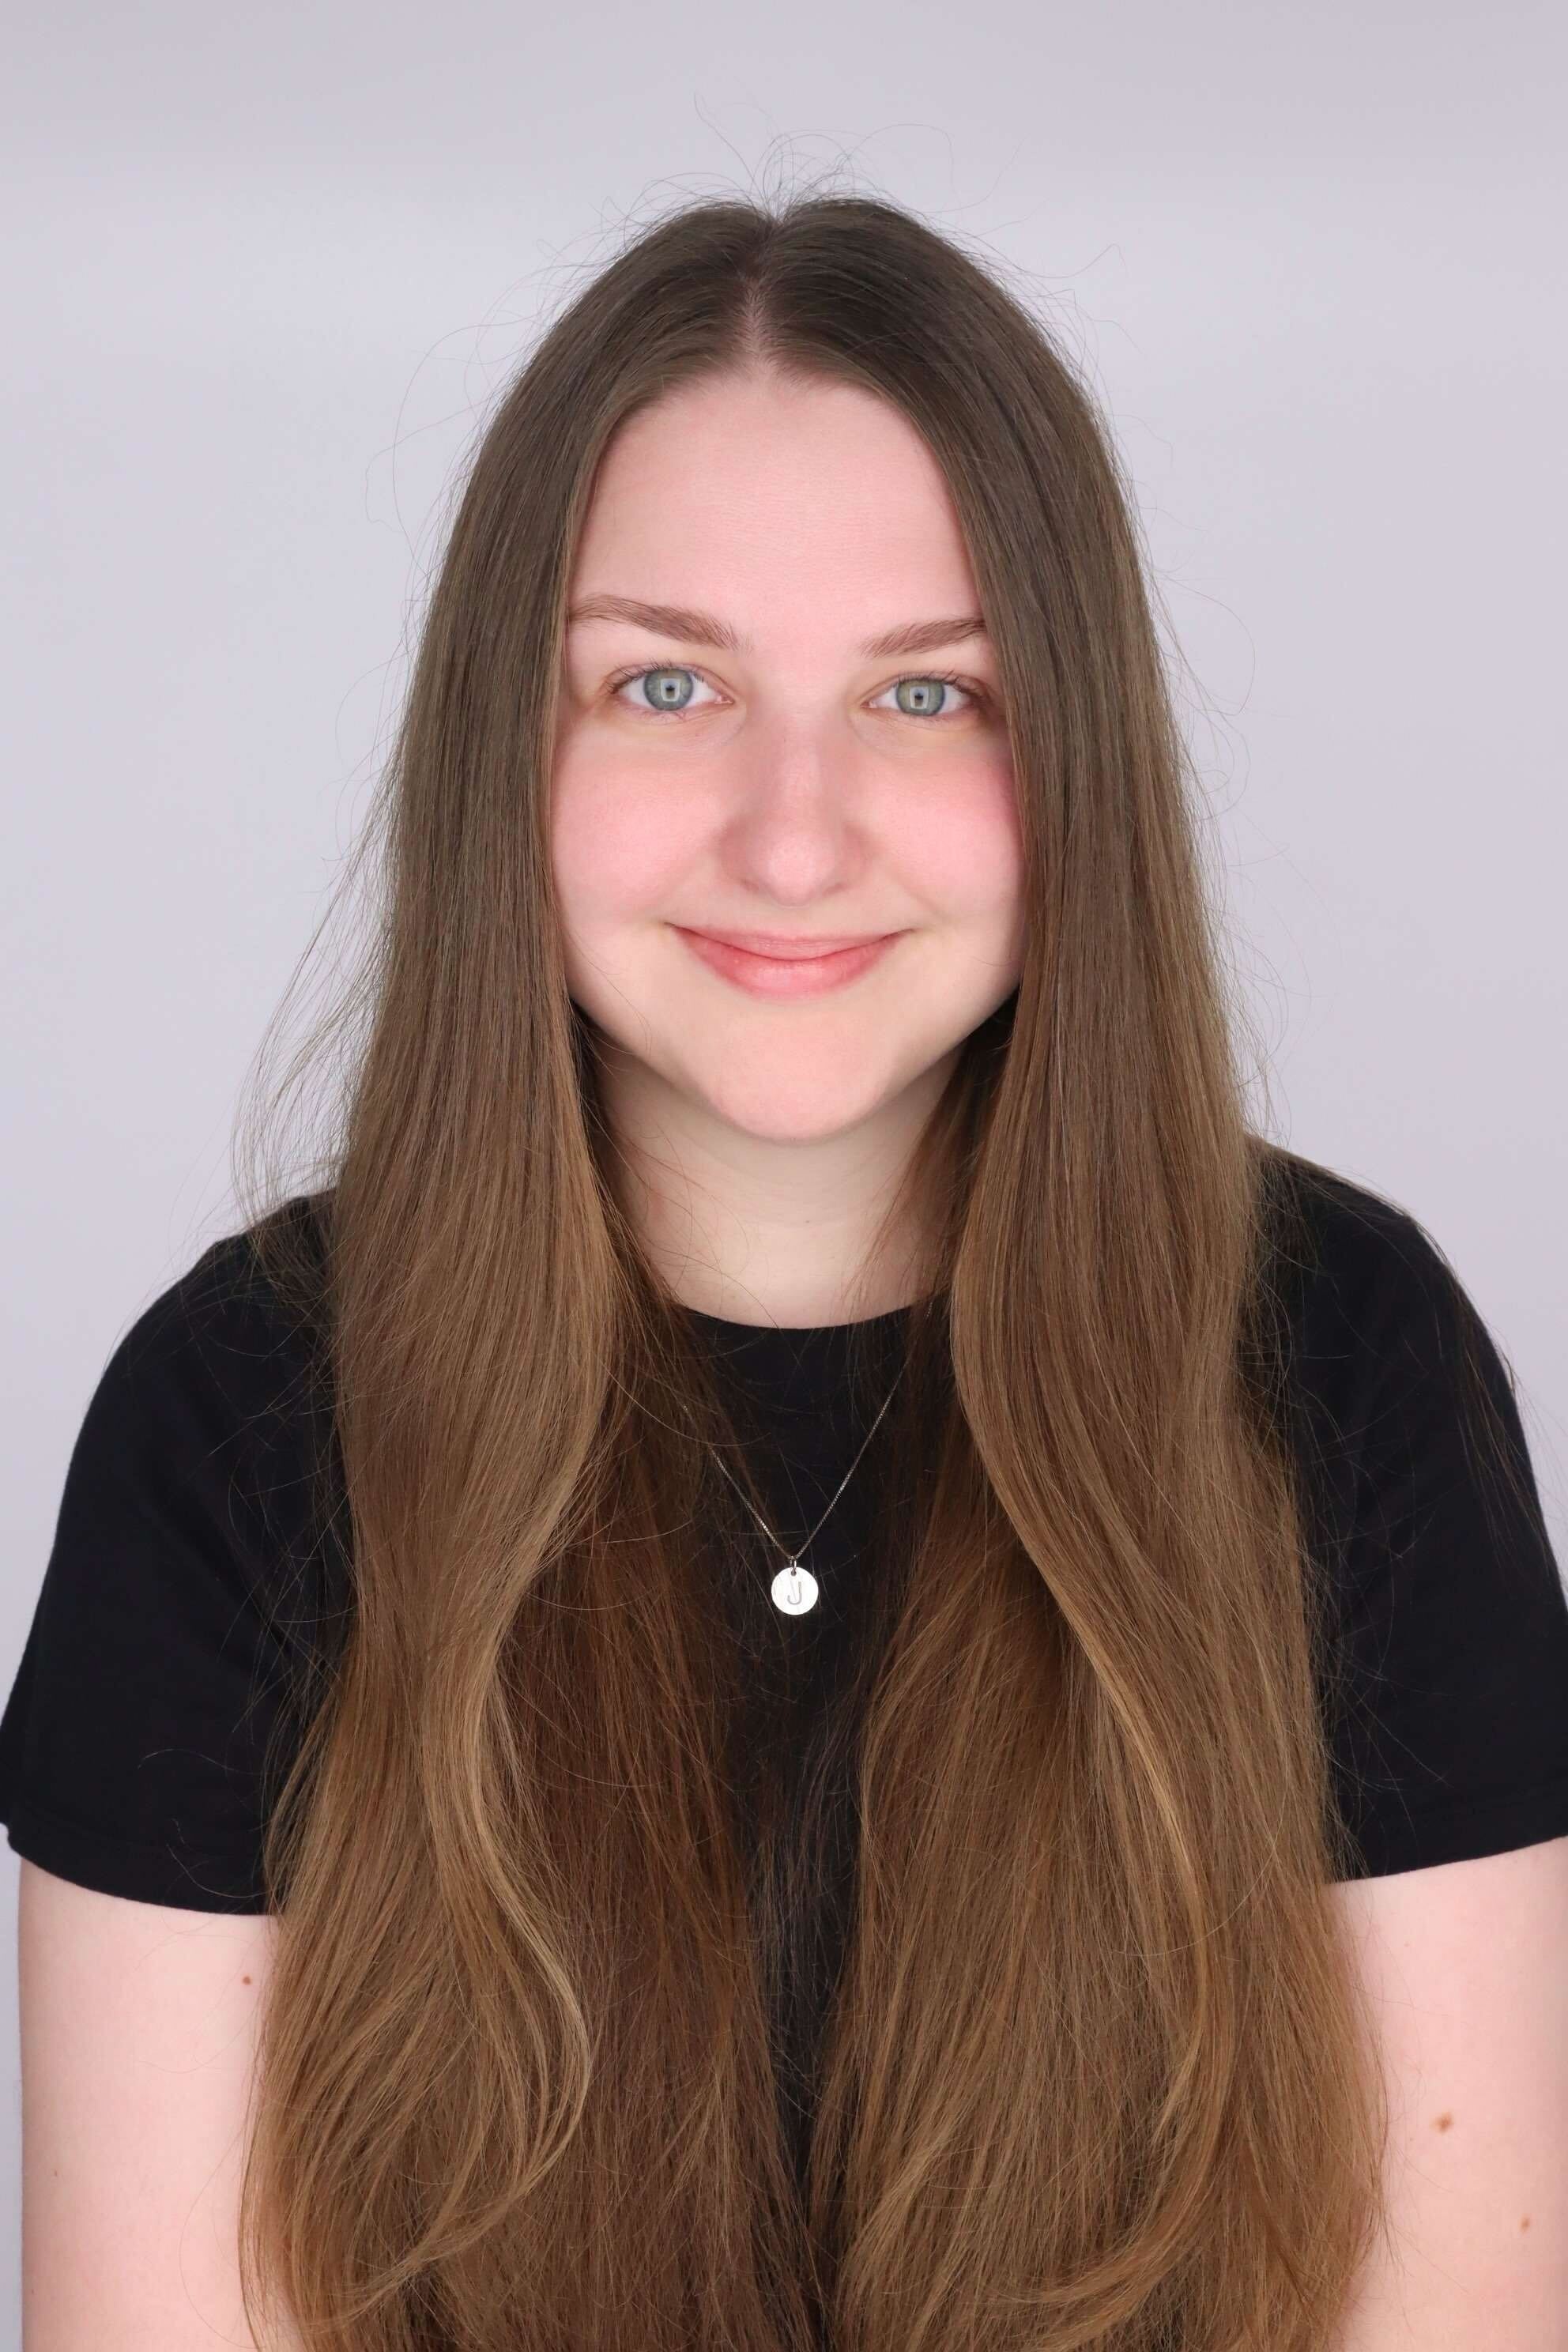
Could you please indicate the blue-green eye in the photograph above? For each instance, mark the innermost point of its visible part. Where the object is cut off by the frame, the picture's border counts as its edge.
(669, 697)
(667, 693)
(922, 686)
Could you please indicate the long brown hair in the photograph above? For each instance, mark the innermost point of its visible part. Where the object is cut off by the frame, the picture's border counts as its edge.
(1095, 2071)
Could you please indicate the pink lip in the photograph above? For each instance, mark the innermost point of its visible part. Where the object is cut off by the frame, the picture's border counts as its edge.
(782, 945)
(787, 974)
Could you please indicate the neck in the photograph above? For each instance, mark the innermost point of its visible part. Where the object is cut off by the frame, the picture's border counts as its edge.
(756, 1229)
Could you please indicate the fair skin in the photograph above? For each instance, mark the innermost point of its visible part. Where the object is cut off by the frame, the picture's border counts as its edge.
(793, 791)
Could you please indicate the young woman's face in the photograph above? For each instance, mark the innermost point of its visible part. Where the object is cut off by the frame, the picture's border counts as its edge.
(784, 781)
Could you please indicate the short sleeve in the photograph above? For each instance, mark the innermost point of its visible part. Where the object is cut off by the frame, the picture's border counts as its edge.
(1451, 1729)
(158, 1682)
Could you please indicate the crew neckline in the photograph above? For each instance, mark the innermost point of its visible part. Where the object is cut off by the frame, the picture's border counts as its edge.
(723, 1323)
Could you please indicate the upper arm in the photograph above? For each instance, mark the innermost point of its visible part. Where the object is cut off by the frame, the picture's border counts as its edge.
(1466, 1966)
(138, 2032)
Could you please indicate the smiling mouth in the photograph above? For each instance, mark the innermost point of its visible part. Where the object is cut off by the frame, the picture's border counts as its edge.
(796, 974)
(782, 950)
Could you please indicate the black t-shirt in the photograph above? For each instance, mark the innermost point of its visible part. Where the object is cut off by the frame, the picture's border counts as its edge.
(189, 1574)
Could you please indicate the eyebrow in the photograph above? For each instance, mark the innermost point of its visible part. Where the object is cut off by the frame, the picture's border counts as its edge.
(701, 628)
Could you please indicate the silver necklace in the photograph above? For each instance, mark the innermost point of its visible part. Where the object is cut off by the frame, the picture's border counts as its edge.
(794, 1588)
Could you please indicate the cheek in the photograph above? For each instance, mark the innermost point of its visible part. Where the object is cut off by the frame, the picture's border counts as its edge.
(615, 847)
(963, 849)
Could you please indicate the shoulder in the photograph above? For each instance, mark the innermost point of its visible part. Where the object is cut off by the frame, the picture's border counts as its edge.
(227, 1318)
(218, 1383)
(1399, 1383)
(1352, 1264)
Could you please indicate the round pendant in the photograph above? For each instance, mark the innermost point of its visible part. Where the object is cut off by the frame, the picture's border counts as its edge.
(795, 1590)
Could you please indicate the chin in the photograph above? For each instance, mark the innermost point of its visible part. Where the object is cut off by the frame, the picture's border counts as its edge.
(765, 1105)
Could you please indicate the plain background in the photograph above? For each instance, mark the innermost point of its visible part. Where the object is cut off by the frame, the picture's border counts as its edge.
(265, 273)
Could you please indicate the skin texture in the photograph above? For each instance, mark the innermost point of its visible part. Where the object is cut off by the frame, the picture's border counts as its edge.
(790, 794)
(1464, 1966)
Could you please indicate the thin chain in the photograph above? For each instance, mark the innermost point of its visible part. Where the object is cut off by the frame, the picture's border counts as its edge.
(793, 1558)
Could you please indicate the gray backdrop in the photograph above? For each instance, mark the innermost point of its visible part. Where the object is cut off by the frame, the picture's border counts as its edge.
(263, 273)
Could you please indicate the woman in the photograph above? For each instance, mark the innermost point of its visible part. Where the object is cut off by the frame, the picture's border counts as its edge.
(787, 1583)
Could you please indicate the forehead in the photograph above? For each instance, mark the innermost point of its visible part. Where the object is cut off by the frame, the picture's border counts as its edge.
(757, 506)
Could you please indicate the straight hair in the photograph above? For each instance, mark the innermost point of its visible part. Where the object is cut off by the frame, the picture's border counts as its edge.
(1095, 2070)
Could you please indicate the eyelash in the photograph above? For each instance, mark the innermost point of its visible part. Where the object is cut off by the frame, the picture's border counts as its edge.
(977, 694)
